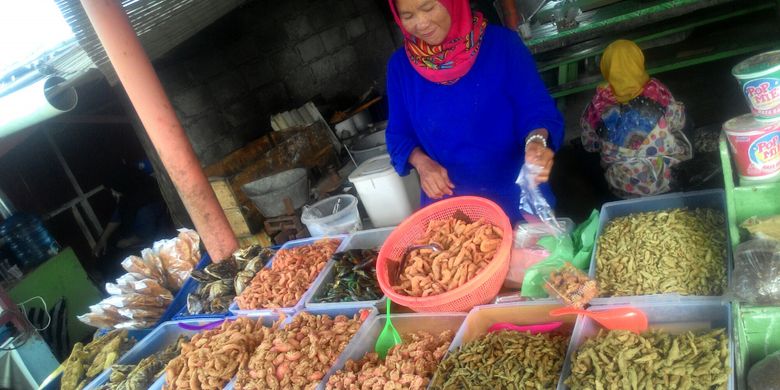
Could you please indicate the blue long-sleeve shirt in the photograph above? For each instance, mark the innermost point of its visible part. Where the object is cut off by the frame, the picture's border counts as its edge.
(475, 128)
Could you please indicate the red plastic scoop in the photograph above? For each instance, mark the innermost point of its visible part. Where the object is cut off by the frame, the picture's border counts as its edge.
(533, 329)
(622, 318)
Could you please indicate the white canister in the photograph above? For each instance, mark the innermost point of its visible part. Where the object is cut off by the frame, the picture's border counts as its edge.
(387, 197)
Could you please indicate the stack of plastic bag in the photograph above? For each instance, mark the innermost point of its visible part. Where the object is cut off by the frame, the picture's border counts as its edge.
(140, 297)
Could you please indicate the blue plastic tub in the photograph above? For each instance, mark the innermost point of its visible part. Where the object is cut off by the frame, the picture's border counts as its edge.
(696, 314)
(367, 239)
(300, 304)
(712, 199)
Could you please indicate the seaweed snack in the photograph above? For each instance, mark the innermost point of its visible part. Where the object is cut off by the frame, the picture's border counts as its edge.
(219, 283)
(299, 355)
(673, 251)
(621, 359)
(291, 273)
(88, 361)
(212, 358)
(571, 285)
(504, 360)
(141, 376)
(467, 248)
(408, 365)
(355, 278)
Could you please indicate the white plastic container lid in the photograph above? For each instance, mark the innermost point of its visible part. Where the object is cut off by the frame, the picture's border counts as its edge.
(373, 168)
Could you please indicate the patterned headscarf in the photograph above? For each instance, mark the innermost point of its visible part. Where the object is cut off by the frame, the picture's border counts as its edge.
(623, 66)
(447, 62)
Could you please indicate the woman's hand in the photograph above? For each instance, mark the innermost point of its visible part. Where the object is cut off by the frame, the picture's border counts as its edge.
(537, 153)
(433, 177)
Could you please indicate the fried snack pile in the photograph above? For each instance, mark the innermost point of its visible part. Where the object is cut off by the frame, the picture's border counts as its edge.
(655, 360)
(140, 297)
(212, 358)
(672, 251)
(504, 360)
(468, 247)
(409, 365)
(141, 376)
(88, 361)
(292, 272)
(300, 354)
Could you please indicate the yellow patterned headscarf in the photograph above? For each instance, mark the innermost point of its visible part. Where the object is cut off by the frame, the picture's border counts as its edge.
(623, 66)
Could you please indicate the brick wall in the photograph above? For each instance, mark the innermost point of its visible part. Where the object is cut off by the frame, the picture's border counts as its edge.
(270, 56)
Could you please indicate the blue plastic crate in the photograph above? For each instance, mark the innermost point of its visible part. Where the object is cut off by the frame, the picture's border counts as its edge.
(712, 199)
(317, 281)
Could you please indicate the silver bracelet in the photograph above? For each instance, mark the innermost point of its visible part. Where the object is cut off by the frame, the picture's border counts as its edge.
(535, 137)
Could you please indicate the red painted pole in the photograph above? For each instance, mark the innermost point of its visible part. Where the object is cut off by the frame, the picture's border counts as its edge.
(137, 75)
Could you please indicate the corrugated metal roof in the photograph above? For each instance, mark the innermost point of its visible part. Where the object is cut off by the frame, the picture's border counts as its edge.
(160, 24)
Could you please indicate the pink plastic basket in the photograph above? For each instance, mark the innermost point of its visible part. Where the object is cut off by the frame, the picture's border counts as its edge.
(477, 291)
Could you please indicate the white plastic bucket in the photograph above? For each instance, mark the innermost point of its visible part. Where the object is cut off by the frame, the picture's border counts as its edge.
(387, 197)
(321, 220)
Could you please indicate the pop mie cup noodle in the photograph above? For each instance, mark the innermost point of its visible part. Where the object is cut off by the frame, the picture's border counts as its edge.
(759, 77)
(755, 145)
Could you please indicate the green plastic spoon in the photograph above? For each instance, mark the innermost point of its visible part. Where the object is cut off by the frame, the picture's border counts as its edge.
(389, 336)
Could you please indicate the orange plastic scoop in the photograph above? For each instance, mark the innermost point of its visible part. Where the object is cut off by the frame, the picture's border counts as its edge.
(621, 318)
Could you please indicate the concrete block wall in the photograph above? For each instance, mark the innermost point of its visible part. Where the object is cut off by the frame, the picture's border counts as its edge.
(269, 56)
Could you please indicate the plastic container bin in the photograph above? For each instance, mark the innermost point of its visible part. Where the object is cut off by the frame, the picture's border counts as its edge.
(387, 197)
(480, 318)
(317, 281)
(675, 317)
(367, 239)
(167, 333)
(332, 312)
(713, 199)
(139, 335)
(335, 215)
(433, 323)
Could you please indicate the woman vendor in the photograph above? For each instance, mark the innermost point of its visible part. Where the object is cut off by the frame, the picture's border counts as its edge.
(467, 107)
(636, 125)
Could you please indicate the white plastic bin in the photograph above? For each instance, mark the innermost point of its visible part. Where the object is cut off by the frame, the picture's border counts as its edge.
(387, 197)
(321, 220)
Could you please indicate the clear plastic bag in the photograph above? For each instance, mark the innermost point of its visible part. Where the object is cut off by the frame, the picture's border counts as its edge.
(571, 286)
(526, 252)
(765, 375)
(178, 257)
(756, 277)
(532, 202)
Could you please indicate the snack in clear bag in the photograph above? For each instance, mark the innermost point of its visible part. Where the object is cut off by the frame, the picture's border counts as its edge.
(143, 313)
(188, 245)
(764, 227)
(177, 269)
(156, 265)
(136, 324)
(136, 300)
(572, 286)
(756, 276)
(765, 375)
